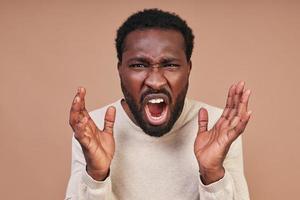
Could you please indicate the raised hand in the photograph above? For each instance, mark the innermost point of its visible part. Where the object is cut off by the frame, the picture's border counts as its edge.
(211, 146)
(98, 145)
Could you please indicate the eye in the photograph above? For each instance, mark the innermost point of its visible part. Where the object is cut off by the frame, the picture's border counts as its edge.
(171, 65)
(137, 65)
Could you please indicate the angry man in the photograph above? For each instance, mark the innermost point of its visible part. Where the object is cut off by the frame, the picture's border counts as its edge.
(154, 143)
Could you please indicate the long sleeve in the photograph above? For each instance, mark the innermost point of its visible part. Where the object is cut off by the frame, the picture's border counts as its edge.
(233, 185)
(148, 168)
(81, 186)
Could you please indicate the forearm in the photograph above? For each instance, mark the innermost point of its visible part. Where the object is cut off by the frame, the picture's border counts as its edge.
(81, 184)
(232, 186)
(221, 189)
(209, 176)
(90, 189)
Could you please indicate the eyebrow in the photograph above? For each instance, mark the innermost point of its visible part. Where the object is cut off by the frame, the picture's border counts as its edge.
(139, 59)
(147, 60)
(168, 60)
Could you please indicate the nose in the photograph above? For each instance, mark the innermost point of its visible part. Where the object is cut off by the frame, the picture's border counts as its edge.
(155, 79)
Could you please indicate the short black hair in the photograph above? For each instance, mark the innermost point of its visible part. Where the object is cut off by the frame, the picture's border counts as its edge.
(154, 18)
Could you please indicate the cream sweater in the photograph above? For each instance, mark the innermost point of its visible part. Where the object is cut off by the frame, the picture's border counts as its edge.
(163, 168)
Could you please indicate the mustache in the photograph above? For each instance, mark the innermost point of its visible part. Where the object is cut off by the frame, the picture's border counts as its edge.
(153, 91)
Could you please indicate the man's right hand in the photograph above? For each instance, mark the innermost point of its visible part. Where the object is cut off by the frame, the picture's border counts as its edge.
(98, 146)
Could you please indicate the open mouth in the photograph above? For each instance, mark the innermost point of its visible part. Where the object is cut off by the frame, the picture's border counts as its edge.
(156, 108)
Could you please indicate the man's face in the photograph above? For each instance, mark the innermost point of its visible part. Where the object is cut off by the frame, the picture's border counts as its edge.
(154, 75)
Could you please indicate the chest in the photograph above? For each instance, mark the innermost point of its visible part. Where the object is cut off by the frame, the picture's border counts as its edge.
(163, 168)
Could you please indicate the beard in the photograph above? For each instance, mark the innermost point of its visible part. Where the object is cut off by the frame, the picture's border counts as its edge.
(138, 112)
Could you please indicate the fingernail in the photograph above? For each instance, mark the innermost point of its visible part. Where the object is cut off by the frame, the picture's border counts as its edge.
(79, 89)
(241, 83)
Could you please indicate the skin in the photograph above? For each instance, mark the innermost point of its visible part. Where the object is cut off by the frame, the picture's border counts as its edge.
(211, 146)
(154, 60)
(98, 146)
(154, 46)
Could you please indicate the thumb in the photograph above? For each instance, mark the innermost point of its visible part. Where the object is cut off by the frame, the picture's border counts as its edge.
(81, 91)
(109, 119)
(202, 120)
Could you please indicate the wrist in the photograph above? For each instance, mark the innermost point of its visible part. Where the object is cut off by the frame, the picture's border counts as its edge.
(98, 175)
(209, 176)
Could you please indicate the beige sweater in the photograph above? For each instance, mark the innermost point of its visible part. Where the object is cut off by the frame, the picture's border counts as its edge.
(164, 168)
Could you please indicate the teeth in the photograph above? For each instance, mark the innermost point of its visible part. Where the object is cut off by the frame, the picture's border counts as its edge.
(159, 100)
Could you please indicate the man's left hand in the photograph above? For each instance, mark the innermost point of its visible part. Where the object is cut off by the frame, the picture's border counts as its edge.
(211, 146)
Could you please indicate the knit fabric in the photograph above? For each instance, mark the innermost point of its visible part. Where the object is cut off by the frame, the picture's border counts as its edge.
(157, 168)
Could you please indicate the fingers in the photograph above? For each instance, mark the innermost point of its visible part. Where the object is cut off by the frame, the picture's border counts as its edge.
(228, 111)
(229, 101)
(234, 122)
(77, 108)
(236, 100)
(231, 92)
(238, 93)
(109, 119)
(238, 125)
(90, 121)
(79, 100)
(240, 106)
(81, 127)
(84, 133)
(81, 93)
(243, 105)
(235, 115)
(202, 120)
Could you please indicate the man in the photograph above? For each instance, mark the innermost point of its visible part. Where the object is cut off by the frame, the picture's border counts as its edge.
(155, 143)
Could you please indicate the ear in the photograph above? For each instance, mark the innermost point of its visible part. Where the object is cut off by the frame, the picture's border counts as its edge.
(119, 65)
(190, 66)
(119, 68)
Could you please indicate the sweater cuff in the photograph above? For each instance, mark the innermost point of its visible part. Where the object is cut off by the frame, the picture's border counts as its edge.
(216, 186)
(93, 184)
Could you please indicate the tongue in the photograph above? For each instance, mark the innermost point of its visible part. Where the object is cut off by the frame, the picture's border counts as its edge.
(156, 109)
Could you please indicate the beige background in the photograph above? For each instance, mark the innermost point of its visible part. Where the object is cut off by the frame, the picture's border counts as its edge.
(48, 48)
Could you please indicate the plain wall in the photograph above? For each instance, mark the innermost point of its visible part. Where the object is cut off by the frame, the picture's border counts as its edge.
(48, 48)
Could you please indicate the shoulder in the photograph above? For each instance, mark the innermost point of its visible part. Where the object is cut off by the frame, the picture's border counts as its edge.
(210, 109)
(214, 113)
(97, 115)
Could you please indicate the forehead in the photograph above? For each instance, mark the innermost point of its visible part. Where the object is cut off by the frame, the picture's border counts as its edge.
(154, 43)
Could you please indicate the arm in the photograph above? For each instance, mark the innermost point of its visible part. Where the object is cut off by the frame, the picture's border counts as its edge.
(92, 152)
(233, 185)
(219, 151)
(81, 185)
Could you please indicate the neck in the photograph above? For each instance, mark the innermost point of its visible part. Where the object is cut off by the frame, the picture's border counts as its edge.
(128, 111)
